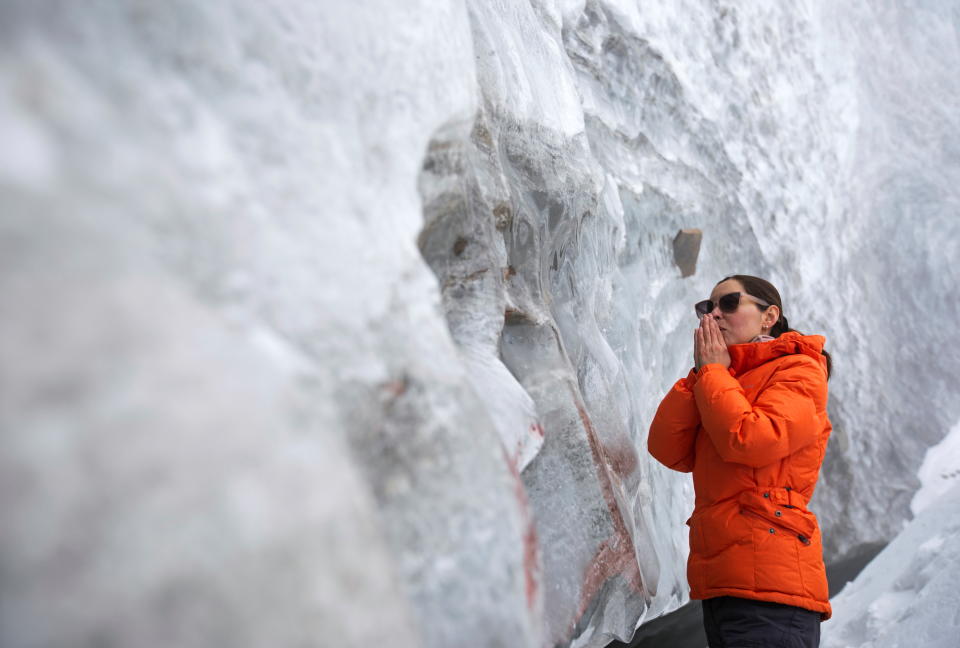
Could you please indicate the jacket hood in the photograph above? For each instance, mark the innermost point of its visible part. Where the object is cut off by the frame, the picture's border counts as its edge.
(744, 357)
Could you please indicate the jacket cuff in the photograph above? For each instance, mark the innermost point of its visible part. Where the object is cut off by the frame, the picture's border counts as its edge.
(689, 381)
(713, 366)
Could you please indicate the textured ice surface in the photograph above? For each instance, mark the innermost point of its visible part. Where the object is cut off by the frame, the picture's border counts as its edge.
(907, 595)
(939, 472)
(328, 322)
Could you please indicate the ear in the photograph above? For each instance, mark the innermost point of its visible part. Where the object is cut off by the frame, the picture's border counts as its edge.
(770, 316)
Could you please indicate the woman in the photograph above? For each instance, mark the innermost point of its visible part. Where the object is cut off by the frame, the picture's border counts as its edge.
(750, 422)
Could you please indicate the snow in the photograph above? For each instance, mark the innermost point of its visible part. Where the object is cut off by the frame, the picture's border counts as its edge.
(335, 321)
(906, 596)
(939, 472)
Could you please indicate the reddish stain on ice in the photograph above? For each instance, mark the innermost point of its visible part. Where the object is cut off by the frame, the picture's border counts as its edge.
(531, 564)
(537, 430)
(396, 388)
(622, 459)
(531, 544)
(615, 555)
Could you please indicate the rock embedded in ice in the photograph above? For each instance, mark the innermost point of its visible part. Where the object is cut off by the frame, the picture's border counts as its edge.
(686, 248)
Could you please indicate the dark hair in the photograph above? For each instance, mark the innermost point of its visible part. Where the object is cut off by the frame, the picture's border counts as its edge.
(763, 289)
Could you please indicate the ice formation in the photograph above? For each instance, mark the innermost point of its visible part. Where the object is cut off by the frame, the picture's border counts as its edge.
(939, 472)
(327, 322)
(907, 595)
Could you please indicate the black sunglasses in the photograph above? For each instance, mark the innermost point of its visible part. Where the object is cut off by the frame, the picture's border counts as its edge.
(729, 303)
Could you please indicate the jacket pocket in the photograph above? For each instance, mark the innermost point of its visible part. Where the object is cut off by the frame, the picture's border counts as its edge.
(776, 555)
(775, 526)
(798, 522)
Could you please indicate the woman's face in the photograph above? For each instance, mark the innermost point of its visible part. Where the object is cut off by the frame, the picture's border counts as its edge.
(745, 323)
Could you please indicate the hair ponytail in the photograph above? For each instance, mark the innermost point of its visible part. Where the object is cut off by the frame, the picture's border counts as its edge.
(781, 327)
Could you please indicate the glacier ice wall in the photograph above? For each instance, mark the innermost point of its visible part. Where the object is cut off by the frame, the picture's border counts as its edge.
(324, 322)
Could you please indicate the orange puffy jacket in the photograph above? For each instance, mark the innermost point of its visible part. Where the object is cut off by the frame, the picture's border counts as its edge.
(754, 438)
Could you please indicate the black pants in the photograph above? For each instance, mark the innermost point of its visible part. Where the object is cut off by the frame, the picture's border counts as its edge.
(741, 623)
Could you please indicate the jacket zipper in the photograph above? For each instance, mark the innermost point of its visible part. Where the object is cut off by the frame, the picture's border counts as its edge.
(802, 538)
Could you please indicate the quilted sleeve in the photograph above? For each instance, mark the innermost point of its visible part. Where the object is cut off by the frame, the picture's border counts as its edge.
(673, 432)
(786, 416)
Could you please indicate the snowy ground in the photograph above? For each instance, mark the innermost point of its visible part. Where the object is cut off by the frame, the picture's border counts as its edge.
(907, 596)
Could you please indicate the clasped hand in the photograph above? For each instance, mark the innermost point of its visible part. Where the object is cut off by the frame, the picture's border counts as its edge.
(708, 344)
